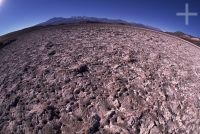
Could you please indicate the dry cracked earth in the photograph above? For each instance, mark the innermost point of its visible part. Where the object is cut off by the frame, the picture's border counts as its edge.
(99, 79)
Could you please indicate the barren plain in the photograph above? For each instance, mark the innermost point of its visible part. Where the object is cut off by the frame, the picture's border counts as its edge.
(99, 78)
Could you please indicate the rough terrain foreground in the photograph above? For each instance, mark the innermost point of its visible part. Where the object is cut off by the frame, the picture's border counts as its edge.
(99, 78)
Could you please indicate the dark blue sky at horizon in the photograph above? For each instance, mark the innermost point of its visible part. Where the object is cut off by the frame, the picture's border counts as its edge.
(18, 14)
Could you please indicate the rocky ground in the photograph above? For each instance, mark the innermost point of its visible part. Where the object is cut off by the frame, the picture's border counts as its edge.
(99, 78)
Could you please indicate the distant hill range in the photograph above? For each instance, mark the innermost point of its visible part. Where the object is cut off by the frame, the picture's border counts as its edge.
(81, 19)
(190, 38)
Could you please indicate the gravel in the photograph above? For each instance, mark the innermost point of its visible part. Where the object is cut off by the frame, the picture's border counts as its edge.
(99, 78)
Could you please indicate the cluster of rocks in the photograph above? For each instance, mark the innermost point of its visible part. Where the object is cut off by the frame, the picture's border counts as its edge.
(99, 78)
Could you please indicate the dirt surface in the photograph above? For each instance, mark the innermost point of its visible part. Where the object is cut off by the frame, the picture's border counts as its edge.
(98, 78)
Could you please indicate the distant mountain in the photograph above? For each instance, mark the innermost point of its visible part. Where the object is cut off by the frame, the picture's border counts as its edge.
(187, 37)
(83, 19)
(80, 19)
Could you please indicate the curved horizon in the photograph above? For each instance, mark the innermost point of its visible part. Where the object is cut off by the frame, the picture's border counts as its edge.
(19, 14)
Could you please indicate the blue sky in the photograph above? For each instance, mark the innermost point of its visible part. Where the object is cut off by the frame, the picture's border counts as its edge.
(18, 14)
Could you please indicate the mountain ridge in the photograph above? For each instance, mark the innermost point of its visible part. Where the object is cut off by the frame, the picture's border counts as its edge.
(84, 19)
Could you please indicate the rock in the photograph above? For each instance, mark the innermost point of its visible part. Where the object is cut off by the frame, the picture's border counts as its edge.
(14, 102)
(81, 69)
(48, 129)
(110, 114)
(116, 103)
(114, 129)
(51, 112)
(131, 122)
(120, 120)
(68, 108)
(94, 124)
(77, 91)
(49, 45)
(52, 53)
(154, 130)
